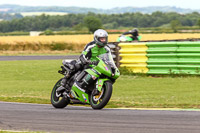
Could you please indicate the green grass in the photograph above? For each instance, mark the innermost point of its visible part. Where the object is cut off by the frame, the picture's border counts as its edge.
(164, 92)
(32, 82)
(28, 81)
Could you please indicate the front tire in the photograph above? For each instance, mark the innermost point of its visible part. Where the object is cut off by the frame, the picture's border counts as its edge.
(100, 101)
(58, 101)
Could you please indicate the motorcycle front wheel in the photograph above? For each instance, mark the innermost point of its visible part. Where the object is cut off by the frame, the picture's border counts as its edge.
(99, 101)
(57, 100)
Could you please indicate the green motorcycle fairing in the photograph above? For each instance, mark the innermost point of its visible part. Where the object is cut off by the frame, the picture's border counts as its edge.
(127, 39)
(124, 39)
(103, 67)
(79, 93)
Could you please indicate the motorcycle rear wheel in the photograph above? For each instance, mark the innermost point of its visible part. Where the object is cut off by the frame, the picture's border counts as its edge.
(58, 101)
(100, 101)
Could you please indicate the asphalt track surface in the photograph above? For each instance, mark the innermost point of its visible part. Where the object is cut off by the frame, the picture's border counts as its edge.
(51, 57)
(75, 119)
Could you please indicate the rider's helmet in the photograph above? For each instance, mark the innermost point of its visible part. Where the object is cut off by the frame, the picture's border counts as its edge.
(135, 32)
(100, 33)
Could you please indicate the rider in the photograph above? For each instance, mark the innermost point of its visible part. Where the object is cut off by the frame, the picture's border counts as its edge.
(134, 33)
(89, 55)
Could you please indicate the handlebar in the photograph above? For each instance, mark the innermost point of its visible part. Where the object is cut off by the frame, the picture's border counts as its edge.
(93, 62)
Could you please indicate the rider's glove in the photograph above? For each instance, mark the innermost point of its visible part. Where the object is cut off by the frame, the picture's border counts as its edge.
(95, 63)
(92, 62)
(89, 62)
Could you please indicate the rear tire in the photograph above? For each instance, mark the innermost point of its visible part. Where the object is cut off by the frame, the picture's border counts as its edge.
(58, 102)
(104, 98)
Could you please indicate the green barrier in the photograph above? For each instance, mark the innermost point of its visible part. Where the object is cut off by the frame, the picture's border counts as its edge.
(173, 58)
(189, 47)
(173, 69)
(162, 57)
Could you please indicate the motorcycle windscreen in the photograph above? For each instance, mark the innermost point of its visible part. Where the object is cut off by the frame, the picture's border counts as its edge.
(106, 65)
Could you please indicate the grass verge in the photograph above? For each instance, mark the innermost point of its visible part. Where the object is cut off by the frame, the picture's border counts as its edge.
(32, 82)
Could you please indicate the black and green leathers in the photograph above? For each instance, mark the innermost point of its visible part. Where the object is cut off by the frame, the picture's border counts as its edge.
(91, 51)
(89, 54)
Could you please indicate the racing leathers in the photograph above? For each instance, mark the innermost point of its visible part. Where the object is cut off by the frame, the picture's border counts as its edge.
(89, 55)
(91, 51)
(134, 34)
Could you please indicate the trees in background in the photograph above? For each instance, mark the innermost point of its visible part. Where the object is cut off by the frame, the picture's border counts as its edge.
(198, 23)
(92, 21)
(175, 24)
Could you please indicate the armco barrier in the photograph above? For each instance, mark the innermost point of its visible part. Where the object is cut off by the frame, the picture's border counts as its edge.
(161, 57)
(134, 56)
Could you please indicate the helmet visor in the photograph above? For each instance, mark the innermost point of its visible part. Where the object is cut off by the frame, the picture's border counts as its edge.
(103, 40)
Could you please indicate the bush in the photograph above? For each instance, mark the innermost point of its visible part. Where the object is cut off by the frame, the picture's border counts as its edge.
(62, 46)
(48, 32)
(16, 33)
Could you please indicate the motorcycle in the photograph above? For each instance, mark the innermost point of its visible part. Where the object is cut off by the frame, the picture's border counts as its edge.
(123, 38)
(100, 76)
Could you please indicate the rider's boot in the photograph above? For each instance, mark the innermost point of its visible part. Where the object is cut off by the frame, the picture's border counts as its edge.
(64, 85)
(73, 69)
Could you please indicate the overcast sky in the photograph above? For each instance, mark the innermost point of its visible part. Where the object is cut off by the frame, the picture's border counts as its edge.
(107, 4)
